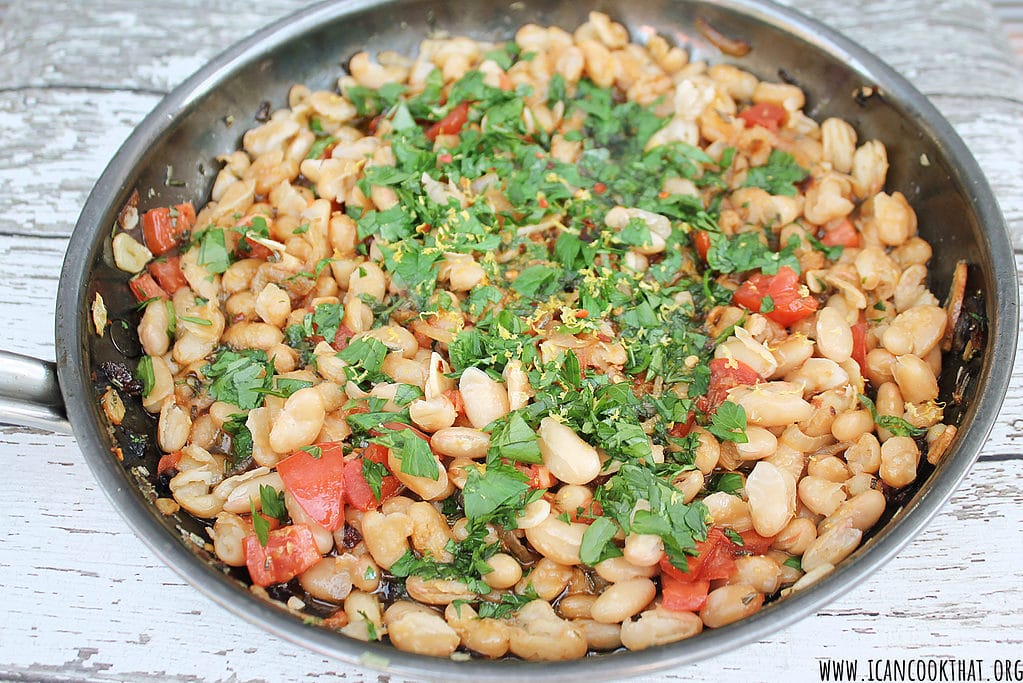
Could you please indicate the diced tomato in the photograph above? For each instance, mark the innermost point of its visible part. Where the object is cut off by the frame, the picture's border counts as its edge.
(715, 559)
(790, 305)
(683, 596)
(163, 228)
(726, 373)
(358, 492)
(343, 336)
(540, 477)
(272, 522)
(397, 427)
(317, 484)
(289, 551)
(256, 250)
(765, 114)
(450, 124)
(843, 234)
(701, 242)
(683, 428)
(859, 348)
(753, 543)
(168, 462)
(144, 288)
(167, 272)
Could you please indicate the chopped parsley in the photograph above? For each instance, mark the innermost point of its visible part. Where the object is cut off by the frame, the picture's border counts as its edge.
(734, 537)
(779, 175)
(598, 542)
(726, 482)
(374, 473)
(728, 423)
(896, 425)
(271, 505)
(412, 451)
(365, 356)
(146, 375)
(240, 378)
(679, 525)
(512, 438)
(241, 437)
(327, 319)
(213, 251)
(504, 608)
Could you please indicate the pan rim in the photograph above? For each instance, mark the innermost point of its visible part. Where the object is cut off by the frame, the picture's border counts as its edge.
(74, 374)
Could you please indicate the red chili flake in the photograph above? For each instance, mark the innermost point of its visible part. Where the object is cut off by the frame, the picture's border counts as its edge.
(539, 155)
(663, 194)
(582, 313)
(542, 202)
(599, 188)
(603, 337)
(445, 158)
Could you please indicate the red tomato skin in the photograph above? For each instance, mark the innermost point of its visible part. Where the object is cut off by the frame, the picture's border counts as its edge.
(144, 288)
(450, 124)
(317, 484)
(540, 477)
(859, 335)
(701, 242)
(783, 288)
(256, 250)
(168, 274)
(769, 116)
(289, 551)
(162, 231)
(683, 596)
(715, 559)
(342, 337)
(843, 234)
(726, 373)
(753, 543)
(682, 429)
(358, 492)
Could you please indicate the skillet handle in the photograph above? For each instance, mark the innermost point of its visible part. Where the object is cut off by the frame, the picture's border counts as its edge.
(30, 395)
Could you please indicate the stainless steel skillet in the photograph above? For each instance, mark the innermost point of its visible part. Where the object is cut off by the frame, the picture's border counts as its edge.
(957, 214)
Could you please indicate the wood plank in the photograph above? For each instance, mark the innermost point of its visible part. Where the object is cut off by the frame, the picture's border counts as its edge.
(98, 97)
(66, 138)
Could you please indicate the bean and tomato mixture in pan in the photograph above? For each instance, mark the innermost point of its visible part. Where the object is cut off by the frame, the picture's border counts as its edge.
(541, 348)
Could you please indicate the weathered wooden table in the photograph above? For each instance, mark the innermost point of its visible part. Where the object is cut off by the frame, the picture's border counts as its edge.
(85, 600)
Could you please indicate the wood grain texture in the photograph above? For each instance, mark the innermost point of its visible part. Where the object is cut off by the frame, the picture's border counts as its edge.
(101, 77)
(86, 601)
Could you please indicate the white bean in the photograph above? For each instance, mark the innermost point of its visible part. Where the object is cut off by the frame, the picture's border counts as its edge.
(485, 399)
(772, 498)
(568, 457)
(623, 600)
(557, 540)
(299, 421)
(659, 627)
